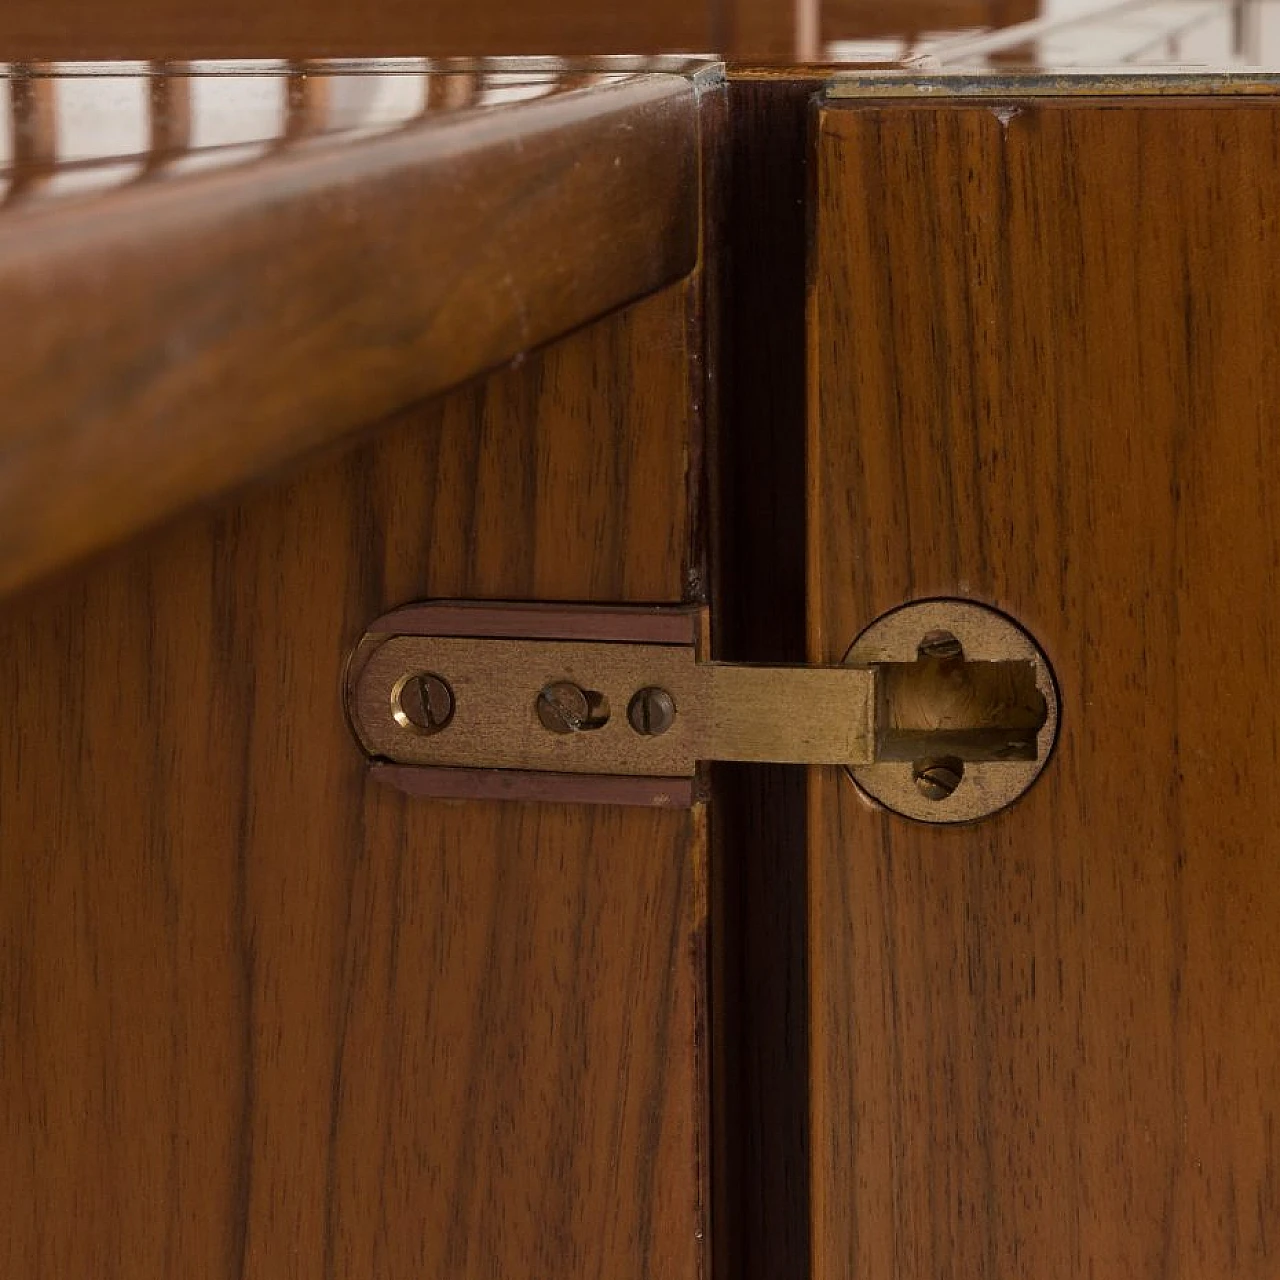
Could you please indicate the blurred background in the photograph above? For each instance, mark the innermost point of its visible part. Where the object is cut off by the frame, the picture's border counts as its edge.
(1217, 32)
(92, 95)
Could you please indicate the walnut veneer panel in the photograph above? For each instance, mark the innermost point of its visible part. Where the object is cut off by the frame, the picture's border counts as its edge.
(260, 1017)
(1044, 375)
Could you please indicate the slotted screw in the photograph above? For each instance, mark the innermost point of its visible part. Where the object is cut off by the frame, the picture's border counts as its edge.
(940, 644)
(563, 708)
(937, 779)
(425, 702)
(652, 712)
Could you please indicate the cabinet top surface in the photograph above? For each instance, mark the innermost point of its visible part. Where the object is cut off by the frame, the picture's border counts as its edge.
(80, 129)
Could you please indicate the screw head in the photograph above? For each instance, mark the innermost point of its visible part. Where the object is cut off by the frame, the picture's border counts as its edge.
(652, 712)
(940, 644)
(937, 779)
(563, 707)
(424, 702)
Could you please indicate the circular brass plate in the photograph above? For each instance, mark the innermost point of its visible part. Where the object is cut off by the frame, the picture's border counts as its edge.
(986, 635)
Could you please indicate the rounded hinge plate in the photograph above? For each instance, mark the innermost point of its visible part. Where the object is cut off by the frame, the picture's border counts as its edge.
(936, 641)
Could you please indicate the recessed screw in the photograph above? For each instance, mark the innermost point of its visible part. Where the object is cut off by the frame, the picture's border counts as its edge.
(563, 708)
(652, 712)
(939, 644)
(937, 779)
(425, 702)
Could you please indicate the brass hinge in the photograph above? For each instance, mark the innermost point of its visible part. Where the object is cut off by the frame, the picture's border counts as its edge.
(943, 710)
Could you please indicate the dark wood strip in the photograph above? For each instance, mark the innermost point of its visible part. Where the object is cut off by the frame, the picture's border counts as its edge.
(758, 818)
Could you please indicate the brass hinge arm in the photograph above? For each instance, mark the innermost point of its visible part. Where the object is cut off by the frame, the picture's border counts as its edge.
(796, 715)
(940, 701)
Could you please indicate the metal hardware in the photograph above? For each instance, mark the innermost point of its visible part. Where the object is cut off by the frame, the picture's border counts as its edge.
(957, 740)
(564, 708)
(938, 779)
(943, 710)
(424, 702)
(652, 712)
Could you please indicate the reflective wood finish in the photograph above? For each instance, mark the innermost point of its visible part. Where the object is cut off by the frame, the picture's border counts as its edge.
(276, 258)
(98, 125)
(1043, 371)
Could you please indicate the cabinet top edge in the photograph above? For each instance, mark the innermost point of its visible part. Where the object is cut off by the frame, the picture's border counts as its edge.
(1126, 81)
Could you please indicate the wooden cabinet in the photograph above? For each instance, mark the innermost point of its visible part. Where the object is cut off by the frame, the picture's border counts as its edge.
(792, 346)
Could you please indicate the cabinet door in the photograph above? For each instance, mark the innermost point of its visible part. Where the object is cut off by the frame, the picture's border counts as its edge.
(1043, 376)
(263, 1017)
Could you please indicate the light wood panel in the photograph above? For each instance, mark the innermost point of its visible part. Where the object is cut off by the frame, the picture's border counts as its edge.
(169, 340)
(1043, 360)
(260, 1016)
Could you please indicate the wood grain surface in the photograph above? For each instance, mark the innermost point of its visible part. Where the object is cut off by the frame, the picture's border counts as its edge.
(170, 340)
(1043, 356)
(260, 1017)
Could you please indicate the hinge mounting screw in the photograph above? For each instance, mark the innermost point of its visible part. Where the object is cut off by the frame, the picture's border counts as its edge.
(424, 702)
(937, 779)
(652, 712)
(563, 708)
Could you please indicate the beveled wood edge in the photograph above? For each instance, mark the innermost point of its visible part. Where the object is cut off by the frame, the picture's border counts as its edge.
(690, 65)
(1142, 82)
(83, 30)
(157, 348)
(680, 625)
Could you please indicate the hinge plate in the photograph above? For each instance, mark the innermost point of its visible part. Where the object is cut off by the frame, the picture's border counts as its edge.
(621, 704)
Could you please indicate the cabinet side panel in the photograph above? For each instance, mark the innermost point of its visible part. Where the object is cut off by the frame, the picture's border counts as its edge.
(259, 1017)
(1043, 371)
